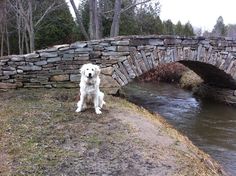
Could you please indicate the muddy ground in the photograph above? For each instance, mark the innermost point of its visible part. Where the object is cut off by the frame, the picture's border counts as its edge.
(41, 134)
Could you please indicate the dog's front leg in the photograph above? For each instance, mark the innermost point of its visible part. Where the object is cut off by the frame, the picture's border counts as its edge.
(96, 105)
(80, 103)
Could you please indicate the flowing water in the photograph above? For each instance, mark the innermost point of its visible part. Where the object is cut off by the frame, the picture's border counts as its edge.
(211, 126)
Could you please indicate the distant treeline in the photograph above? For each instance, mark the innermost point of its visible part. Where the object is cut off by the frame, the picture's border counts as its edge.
(26, 25)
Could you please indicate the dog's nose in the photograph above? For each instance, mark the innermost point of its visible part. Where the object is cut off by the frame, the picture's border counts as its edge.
(90, 74)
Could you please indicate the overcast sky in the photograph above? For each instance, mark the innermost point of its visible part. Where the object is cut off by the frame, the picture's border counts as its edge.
(200, 13)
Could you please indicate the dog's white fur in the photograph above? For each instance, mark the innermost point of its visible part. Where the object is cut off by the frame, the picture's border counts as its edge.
(89, 88)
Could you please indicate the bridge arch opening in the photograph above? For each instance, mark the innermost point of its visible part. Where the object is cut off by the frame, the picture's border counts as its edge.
(211, 74)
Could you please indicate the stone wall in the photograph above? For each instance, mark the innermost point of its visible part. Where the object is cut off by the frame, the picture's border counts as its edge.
(121, 59)
(59, 66)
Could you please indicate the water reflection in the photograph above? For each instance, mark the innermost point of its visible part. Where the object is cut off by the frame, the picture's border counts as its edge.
(211, 126)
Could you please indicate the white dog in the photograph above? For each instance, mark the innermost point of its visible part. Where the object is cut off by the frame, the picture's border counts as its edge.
(89, 88)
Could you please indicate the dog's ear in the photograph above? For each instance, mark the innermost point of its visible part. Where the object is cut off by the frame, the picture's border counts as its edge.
(82, 70)
(97, 69)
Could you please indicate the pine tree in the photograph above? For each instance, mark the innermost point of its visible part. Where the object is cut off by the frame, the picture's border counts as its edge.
(179, 29)
(168, 27)
(57, 28)
(219, 29)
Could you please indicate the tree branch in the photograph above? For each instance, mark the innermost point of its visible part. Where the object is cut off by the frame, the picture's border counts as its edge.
(133, 5)
(49, 10)
(45, 13)
(129, 7)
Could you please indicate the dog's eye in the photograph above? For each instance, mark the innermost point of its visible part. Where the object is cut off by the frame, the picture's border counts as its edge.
(92, 69)
(87, 69)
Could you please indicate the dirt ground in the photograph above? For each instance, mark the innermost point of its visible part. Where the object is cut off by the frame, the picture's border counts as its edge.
(41, 134)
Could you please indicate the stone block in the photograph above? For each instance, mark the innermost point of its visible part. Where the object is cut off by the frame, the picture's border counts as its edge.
(83, 50)
(104, 44)
(49, 54)
(108, 81)
(107, 71)
(68, 57)
(75, 77)
(17, 58)
(31, 55)
(55, 59)
(8, 85)
(81, 58)
(98, 48)
(9, 72)
(78, 45)
(33, 85)
(61, 46)
(19, 71)
(59, 78)
(110, 48)
(8, 68)
(40, 63)
(95, 54)
(122, 48)
(156, 42)
(172, 41)
(30, 68)
(64, 49)
(121, 42)
(112, 53)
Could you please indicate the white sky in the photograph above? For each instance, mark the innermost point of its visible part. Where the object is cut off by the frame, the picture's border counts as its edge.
(200, 13)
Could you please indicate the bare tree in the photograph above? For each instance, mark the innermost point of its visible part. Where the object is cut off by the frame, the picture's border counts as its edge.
(4, 43)
(26, 24)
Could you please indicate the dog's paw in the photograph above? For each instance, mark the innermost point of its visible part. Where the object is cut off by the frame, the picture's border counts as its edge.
(98, 111)
(78, 110)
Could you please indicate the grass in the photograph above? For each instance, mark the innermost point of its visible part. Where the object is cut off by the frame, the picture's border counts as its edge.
(30, 129)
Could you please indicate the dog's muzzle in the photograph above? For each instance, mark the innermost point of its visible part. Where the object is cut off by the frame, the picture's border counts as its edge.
(90, 75)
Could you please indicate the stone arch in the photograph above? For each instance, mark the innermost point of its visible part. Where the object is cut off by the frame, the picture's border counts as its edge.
(212, 59)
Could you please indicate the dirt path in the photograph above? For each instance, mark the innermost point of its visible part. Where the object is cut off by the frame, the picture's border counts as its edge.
(42, 135)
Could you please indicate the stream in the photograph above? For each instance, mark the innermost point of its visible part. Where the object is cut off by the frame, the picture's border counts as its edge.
(209, 125)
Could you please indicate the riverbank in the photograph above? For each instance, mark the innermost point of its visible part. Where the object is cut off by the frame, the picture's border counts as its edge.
(42, 135)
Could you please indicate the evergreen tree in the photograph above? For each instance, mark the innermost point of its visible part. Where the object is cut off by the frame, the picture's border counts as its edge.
(168, 27)
(179, 29)
(57, 28)
(219, 29)
(188, 30)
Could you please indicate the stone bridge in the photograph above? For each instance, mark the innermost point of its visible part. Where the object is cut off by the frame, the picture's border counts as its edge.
(121, 59)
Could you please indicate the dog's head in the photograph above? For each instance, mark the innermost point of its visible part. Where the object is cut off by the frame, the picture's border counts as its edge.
(90, 71)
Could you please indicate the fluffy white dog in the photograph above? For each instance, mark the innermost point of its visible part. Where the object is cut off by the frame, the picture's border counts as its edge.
(89, 88)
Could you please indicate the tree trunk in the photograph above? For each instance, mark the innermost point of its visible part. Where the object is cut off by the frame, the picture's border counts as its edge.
(79, 20)
(2, 40)
(31, 26)
(19, 29)
(116, 19)
(97, 21)
(25, 41)
(7, 40)
(94, 25)
(100, 9)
